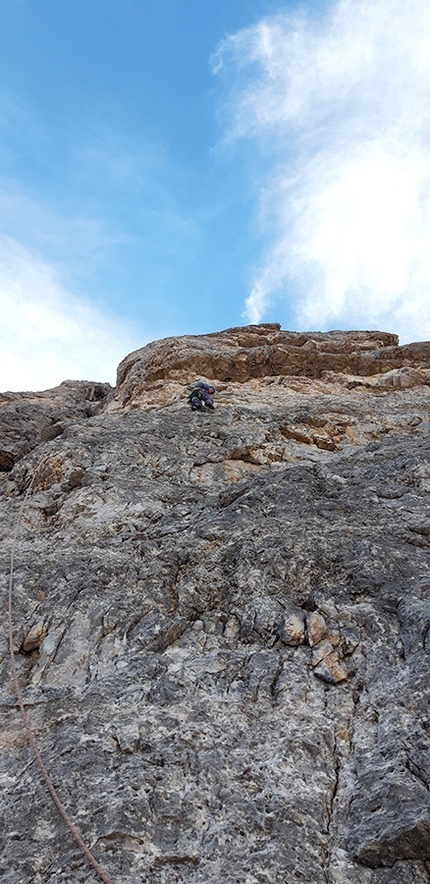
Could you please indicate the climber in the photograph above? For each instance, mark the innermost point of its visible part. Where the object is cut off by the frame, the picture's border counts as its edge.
(201, 396)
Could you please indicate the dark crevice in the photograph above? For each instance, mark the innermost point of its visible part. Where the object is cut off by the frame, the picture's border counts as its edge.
(417, 772)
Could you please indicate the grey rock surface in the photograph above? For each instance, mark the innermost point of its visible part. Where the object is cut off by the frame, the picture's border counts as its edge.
(222, 620)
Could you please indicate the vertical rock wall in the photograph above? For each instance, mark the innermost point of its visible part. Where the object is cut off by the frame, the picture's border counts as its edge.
(222, 620)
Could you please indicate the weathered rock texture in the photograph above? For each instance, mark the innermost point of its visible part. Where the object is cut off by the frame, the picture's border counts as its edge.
(222, 620)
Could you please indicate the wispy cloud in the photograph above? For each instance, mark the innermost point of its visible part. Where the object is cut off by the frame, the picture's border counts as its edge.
(80, 221)
(339, 107)
(48, 335)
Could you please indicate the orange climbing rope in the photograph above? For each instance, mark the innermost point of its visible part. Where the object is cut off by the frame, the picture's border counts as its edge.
(31, 738)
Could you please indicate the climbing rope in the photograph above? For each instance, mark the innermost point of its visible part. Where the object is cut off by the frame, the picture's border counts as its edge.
(30, 735)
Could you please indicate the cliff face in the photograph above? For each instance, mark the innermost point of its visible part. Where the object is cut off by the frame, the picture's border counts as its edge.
(222, 620)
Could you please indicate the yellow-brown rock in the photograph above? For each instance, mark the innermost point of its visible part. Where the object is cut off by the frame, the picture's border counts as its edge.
(316, 628)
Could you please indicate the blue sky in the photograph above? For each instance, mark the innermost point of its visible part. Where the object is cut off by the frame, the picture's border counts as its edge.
(181, 166)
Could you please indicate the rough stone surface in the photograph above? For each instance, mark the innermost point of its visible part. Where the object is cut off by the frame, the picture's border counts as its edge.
(222, 620)
(29, 418)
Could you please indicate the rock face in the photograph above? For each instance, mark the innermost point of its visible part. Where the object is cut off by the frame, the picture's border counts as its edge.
(222, 620)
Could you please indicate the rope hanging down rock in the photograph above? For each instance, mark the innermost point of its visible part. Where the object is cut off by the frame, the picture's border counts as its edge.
(30, 735)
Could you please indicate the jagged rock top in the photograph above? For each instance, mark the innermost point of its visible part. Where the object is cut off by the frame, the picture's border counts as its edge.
(238, 354)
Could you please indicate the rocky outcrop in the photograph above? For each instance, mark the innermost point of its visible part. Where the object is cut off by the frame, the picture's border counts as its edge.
(222, 620)
(263, 351)
(27, 419)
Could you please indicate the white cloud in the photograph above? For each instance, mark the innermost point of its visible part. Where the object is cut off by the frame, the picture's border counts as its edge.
(47, 335)
(340, 107)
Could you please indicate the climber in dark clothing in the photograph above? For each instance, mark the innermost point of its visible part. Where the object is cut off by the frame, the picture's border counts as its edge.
(201, 396)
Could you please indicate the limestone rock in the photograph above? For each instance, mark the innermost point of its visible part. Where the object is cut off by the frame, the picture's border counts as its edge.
(316, 628)
(390, 817)
(291, 626)
(29, 418)
(221, 620)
